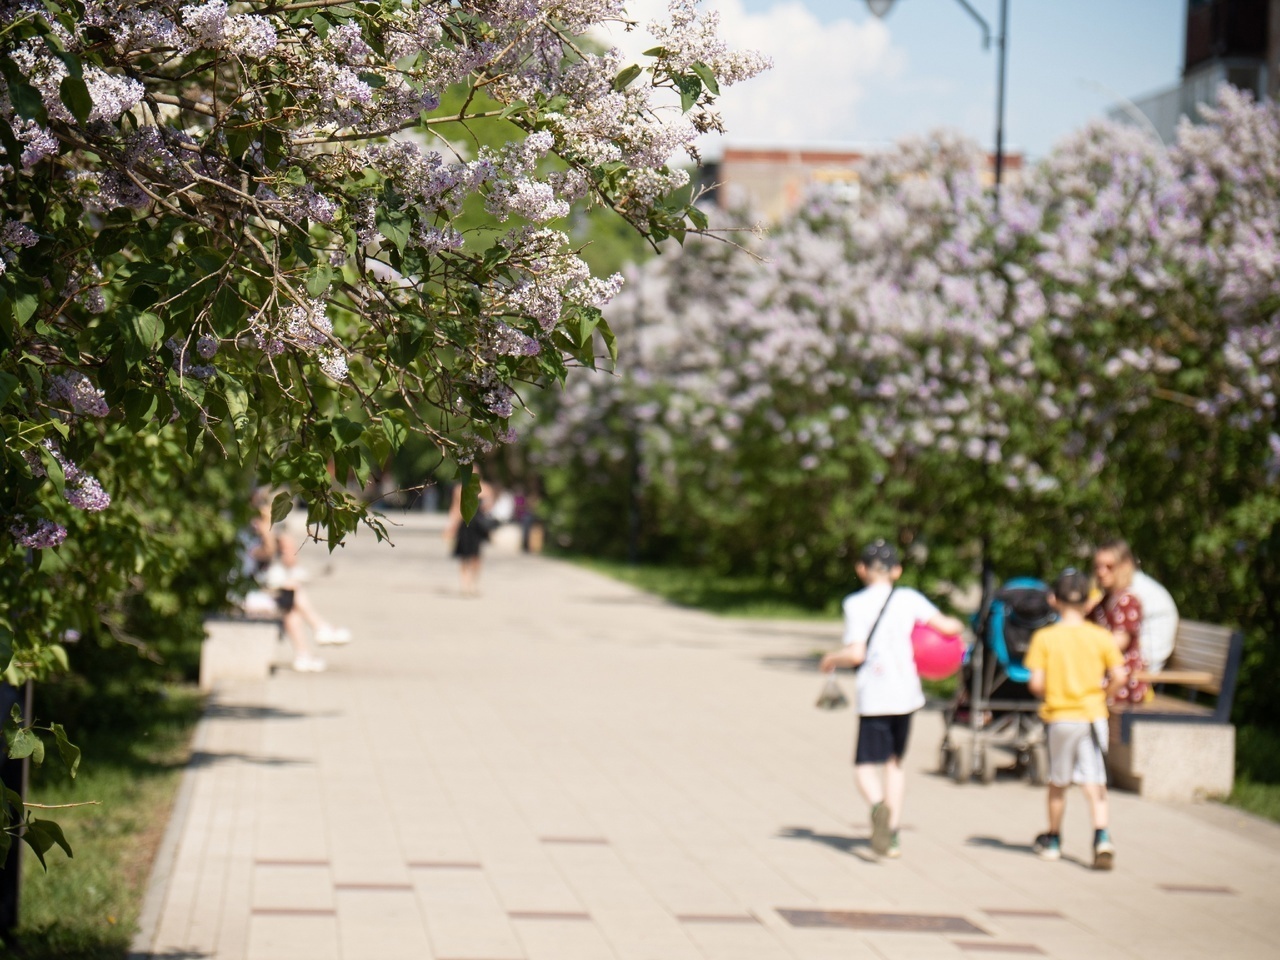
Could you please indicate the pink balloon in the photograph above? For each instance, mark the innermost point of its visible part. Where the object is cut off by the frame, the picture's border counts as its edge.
(938, 655)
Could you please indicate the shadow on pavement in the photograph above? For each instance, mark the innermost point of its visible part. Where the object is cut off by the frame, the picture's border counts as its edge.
(206, 758)
(1023, 848)
(805, 664)
(244, 711)
(833, 840)
(999, 844)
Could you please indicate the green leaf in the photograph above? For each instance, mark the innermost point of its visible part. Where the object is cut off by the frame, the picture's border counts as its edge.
(25, 303)
(147, 329)
(698, 218)
(75, 94)
(53, 469)
(318, 279)
(23, 742)
(707, 76)
(348, 431)
(625, 77)
(656, 52)
(228, 310)
(8, 384)
(41, 836)
(470, 493)
(138, 405)
(610, 340)
(394, 428)
(296, 176)
(6, 646)
(69, 751)
(321, 25)
(281, 505)
(396, 230)
(26, 100)
(690, 87)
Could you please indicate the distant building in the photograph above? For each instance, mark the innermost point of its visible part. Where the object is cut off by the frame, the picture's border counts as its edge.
(1227, 41)
(772, 181)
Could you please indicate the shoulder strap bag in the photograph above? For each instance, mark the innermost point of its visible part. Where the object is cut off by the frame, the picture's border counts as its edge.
(880, 616)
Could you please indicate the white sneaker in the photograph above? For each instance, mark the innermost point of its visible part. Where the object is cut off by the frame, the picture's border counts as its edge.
(308, 664)
(333, 636)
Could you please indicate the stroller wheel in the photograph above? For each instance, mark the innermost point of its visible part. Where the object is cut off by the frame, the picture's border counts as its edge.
(960, 761)
(1038, 765)
(987, 769)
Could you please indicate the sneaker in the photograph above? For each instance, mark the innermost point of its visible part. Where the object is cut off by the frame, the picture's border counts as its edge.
(1048, 846)
(333, 636)
(881, 835)
(895, 848)
(308, 664)
(1104, 853)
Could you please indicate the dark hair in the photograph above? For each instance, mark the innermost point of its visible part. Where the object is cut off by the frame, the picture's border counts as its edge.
(879, 554)
(1071, 587)
(1120, 547)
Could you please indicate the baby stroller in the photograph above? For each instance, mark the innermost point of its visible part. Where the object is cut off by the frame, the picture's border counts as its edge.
(993, 721)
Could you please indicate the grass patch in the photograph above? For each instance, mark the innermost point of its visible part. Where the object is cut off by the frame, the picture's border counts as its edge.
(723, 594)
(1257, 787)
(87, 908)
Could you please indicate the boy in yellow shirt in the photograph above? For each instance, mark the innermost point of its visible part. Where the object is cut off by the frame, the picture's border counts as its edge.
(1075, 668)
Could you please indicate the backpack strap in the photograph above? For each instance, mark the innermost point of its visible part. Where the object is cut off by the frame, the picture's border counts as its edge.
(880, 616)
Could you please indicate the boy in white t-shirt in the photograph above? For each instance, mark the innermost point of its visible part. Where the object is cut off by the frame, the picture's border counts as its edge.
(877, 639)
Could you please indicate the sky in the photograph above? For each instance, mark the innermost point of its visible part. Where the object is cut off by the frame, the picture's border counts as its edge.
(842, 77)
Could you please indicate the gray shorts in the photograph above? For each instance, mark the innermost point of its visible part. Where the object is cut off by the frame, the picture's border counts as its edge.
(1077, 752)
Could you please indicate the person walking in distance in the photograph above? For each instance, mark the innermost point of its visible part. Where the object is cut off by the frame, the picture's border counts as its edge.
(1075, 667)
(879, 619)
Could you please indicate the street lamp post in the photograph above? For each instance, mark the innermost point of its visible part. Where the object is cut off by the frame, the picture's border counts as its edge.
(881, 8)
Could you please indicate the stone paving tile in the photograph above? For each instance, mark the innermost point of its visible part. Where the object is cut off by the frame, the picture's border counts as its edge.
(381, 925)
(566, 769)
(284, 937)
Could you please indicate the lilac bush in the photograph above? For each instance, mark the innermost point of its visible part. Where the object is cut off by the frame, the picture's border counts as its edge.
(1102, 355)
(282, 239)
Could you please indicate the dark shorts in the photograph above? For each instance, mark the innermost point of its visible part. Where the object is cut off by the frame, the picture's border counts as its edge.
(882, 738)
(284, 600)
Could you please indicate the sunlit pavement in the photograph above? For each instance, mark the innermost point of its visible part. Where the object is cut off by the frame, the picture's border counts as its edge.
(566, 769)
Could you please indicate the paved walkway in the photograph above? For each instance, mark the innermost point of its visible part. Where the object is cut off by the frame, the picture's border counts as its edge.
(567, 769)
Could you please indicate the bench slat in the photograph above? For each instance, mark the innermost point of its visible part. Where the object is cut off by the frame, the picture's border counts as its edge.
(1201, 648)
(1188, 678)
(1162, 703)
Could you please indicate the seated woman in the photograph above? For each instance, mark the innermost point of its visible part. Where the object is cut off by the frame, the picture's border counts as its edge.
(1120, 611)
(272, 557)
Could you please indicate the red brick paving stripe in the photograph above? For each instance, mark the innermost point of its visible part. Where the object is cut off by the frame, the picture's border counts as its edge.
(443, 865)
(547, 915)
(1028, 914)
(292, 912)
(595, 841)
(716, 918)
(891, 922)
(375, 887)
(1192, 888)
(977, 945)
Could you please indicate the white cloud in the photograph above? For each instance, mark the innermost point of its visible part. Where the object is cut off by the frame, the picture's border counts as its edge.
(819, 76)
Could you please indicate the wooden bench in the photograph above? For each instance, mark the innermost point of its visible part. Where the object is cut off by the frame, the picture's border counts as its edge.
(238, 647)
(1176, 746)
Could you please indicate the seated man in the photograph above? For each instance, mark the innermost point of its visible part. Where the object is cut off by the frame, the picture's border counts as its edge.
(1159, 621)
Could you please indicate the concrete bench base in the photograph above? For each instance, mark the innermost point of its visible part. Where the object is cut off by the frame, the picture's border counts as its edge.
(237, 650)
(1171, 760)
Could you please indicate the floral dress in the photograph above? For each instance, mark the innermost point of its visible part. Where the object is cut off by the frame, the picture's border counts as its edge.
(1118, 614)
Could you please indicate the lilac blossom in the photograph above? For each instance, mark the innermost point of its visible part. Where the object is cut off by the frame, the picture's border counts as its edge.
(40, 535)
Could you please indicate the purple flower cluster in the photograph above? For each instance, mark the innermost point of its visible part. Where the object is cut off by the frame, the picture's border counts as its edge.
(76, 391)
(39, 535)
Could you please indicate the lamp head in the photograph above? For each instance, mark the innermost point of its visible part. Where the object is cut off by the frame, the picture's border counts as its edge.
(880, 8)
